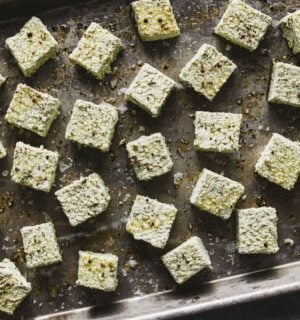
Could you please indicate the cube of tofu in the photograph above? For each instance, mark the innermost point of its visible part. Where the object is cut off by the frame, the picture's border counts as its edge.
(14, 287)
(83, 199)
(150, 90)
(285, 84)
(2, 80)
(151, 221)
(96, 50)
(32, 46)
(2, 150)
(98, 270)
(207, 71)
(243, 25)
(216, 194)
(155, 19)
(40, 245)
(257, 231)
(187, 259)
(149, 156)
(280, 162)
(32, 110)
(34, 167)
(92, 125)
(290, 26)
(217, 131)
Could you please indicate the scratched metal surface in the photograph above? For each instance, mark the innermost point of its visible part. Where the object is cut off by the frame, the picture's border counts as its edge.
(140, 269)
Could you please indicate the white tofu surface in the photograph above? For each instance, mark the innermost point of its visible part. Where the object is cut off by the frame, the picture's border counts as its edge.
(3, 152)
(290, 27)
(151, 221)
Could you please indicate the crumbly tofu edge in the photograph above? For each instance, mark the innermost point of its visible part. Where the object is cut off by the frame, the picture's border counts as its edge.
(290, 30)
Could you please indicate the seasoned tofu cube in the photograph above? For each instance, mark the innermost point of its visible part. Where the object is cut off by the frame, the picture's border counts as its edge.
(257, 231)
(187, 259)
(34, 167)
(285, 84)
(32, 110)
(32, 46)
(216, 194)
(40, 245)
(97, 50)
(14, 287)
(83, 199)
(155, 19)
(151, 221)
(217, 131)
(98, 270)
(280, 162)
(92, 125)
(290, 26)
(149, 156)
(207, 71)
(2, 150)
(2, 80)
(243, 25)
(150, 90)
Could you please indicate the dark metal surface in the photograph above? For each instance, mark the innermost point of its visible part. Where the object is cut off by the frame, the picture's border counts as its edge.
(140, 269)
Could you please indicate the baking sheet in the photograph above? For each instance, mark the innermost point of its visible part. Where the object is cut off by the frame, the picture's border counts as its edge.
(141, 271)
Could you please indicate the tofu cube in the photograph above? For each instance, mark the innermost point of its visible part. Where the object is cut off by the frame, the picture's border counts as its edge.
(187, 259)
(40, 245)
(207, 71)
(243, 25)
(83, 199)
(155, 19)
(92, 125)
(149, 156)
(2, 80)
(257, 231)
(14, 287)
(280, 162)
(151, 221)
(216, 194)
(2, 150)
(285, 84)
(96, 50)
(32, 46)
(98, 270)
(290, 27)
(150, 90)
(34, 167)
(217, 131)
(32, 110)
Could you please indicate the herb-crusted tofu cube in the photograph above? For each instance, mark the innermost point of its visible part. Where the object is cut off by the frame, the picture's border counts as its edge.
(32, 110)
(290, 26)
(155, 19)
(285, 84)
(257, 231)
(150, 89)
(14, 287)
(96, 50)
(98, 270)
(216, 194)
(34, 167)
(2, 150)
(151, 221)
(2, 80)
(217, 131)
(32, 46)
(92, 125)
(40, 245)
(149, 156)
(280, 162)
(243, 25)
(207, 71)
(187, 259)
(83, 199)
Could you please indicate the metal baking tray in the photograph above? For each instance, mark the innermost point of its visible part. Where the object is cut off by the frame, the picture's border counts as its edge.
(146, 290)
